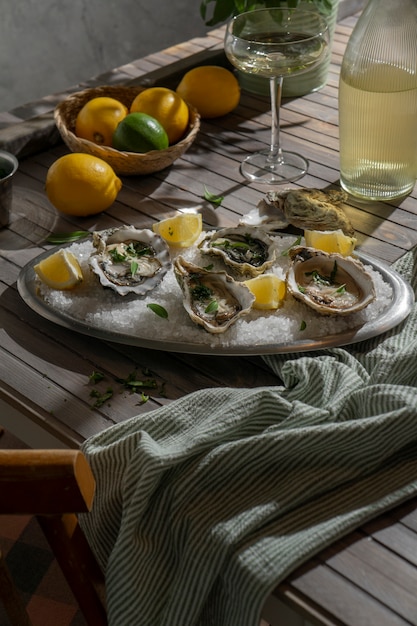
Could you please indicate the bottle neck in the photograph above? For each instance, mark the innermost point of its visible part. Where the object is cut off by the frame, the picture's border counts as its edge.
(385, 34)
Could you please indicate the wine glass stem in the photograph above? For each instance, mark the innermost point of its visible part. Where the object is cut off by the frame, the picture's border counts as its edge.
(275, 151)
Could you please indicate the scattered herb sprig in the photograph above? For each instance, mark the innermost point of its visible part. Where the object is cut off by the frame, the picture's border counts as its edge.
(96, 377)
(58, 238)
(158, 309)
(101, 398)
(211, 197)
(295, 243)
(132, 383)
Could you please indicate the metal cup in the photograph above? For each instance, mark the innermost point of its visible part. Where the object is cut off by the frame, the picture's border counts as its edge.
(8, 167)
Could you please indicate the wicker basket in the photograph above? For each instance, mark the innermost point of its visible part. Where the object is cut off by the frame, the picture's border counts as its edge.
(123, 163)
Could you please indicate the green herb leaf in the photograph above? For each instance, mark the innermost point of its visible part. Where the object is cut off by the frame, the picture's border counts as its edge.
(212, 307)
(213, 198)
(58, 238)
(134, 267)
(133, 383)
(200, 292)
(117, 256)
(303, 325)
(101, 397)
(95, 377)
(296, 243)
(138, 384)
(158, 309)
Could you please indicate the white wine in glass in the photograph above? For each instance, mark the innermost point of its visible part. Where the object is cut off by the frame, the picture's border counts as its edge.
(275, 43)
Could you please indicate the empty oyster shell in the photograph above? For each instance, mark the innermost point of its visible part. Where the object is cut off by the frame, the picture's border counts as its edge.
(129, 260)
(249, 251)
(212, 299)
(308, 209)
(329, 283)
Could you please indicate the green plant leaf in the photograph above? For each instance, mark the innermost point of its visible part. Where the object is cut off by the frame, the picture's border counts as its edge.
(213, 198)
(223, 10)
(295, 243)
(212, 307)
(96, 377)
(158, 309)
(58, 238)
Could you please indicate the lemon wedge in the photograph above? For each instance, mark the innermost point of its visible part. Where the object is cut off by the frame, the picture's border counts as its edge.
(330, 241)
(268, 289)
(60, 270)
(181, 231)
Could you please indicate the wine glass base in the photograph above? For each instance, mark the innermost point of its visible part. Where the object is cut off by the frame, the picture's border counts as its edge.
(258, 169)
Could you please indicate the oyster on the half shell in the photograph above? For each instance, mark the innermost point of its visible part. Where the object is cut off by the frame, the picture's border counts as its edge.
(214, 300)
(329, 283)
(129, 260)
(249, 251)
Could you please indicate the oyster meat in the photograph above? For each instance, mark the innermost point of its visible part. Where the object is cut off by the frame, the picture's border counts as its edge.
(329, 283)
(249, 251)
(129, 260)
(212, 299)
(308, 209)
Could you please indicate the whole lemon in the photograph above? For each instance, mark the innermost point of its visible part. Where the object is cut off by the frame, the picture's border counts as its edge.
(213, 90)
(139, 132)
(98, 118)
(167, 107)
(81, 184)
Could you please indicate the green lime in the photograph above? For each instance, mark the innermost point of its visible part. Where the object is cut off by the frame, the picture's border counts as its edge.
(139, 132)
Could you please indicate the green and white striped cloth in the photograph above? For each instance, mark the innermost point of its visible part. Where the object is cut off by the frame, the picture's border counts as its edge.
(205, 505)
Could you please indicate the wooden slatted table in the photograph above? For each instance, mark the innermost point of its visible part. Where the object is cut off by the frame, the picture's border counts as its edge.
(369, 577)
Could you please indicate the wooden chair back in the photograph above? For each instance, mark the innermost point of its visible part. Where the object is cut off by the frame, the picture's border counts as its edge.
(54, 485)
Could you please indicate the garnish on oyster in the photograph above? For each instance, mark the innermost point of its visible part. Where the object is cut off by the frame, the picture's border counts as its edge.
(329, 283)
(212, 299)
(247, 250)
(308, 209)
(129, 260)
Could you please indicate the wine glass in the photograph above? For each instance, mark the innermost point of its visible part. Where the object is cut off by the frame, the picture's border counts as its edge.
(275, 43)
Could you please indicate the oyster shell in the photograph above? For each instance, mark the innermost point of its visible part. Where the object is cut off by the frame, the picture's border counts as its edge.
(329, 283)
(129, 260)
(212, 299)
(308, 209)
(249, 251)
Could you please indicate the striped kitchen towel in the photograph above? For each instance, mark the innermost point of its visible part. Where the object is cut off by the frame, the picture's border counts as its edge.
(204, 505)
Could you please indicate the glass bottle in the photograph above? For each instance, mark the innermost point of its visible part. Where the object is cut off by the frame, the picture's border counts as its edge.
(378, 102)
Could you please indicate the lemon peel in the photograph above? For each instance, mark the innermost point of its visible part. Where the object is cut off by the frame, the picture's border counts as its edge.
(166, 106)
(330, 241)
(180, 231)
(61, 270)
(81, 184)
(213, 90)
(98, 118)
(269, 291)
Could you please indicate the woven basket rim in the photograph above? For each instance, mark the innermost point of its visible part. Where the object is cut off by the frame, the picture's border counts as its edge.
(65, 113)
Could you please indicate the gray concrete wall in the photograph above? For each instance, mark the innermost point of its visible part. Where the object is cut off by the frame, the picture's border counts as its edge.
(47, 46)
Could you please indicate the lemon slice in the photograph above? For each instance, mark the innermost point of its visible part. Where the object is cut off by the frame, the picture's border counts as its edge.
(268, 289)
(330, 241)
(60, 270)
(181, 230)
